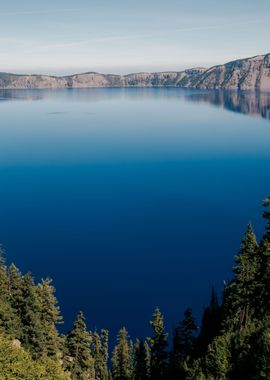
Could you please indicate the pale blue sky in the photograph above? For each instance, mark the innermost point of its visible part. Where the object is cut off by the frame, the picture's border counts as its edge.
(120, 36)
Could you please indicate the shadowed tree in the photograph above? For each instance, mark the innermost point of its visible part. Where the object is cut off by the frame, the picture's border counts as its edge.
(158, 345)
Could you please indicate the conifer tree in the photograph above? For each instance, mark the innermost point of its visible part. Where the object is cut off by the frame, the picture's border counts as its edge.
(9, 322)
(183, 345)
(50, 317)
(30, 313)
(100, 354)
(266, 215)
(142, 361)
(104, 339)
(210, 325)
(242, 290)
(158, 345)
(78, 342)
(121, 357)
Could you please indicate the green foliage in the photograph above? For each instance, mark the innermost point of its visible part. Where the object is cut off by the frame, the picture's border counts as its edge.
(210, 325)
(100, 354)
(241, 292)
(17, 363)
(142, 361)
(158, 346)
(122, 357)
(81, 363)
(49, 317)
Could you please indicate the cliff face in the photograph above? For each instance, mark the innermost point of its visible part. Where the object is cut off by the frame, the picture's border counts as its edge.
(250, 73)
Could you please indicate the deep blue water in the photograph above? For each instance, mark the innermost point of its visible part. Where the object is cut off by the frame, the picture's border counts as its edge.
(131, 198)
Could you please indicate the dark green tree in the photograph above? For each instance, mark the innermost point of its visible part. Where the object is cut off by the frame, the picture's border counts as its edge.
(30, 313)
(121, 357)
(104, 339)
(142, 361)
(158, 345)
(210, 325)
(100, 354)
(78, 342)
(241, 293)
(183, 346)
(50, 317)
(9, 322)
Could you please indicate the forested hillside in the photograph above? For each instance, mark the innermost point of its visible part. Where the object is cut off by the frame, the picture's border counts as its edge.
(233, 341)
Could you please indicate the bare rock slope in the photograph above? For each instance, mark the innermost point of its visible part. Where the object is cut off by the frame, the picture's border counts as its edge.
(249, 73)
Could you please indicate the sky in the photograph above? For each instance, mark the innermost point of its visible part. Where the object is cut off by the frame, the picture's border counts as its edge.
(122, 36)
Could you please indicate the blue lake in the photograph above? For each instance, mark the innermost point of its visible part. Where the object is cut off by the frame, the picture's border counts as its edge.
(131, 198)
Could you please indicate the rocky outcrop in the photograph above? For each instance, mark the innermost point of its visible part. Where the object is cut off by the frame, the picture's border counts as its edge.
(243, 74)
(250, 73)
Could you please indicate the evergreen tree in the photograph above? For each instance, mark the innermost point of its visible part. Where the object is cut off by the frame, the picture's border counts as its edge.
(183, 346)
(142, 361)
(210, 325)
(78, 342)
(121, 357)
(9, 322)
(30, 313)
(266, 215)
(104, 339)
(100, 354)
(50, 317)
(158, 345)
(240, 295)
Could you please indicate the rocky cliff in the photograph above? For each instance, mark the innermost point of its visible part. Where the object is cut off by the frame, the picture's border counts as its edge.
(249, 73)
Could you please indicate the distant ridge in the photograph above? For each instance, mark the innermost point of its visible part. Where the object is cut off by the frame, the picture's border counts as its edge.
(245, 74)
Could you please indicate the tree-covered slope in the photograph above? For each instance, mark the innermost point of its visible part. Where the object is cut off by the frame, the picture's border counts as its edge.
(232, 343)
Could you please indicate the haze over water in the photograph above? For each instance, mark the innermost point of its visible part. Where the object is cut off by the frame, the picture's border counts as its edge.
(131, 198)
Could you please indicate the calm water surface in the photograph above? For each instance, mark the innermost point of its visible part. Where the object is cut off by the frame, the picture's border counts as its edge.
(131, 198)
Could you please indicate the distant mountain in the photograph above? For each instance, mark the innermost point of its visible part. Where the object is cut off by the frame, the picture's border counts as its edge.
(245, 74)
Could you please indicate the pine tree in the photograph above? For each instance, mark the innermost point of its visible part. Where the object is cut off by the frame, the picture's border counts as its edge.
(30, 313)
(50, 317)
(183, 345)
(78, 342)
(100, 354)
(261, 299)
(104, 339)
(158, 345)
(266, 215)
(9, 322)
(242, 290)
(210, 326)
(121, 357)
(142, 361)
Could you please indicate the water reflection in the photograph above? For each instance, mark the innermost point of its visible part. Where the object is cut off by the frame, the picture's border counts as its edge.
(253, 103)
(246, 102)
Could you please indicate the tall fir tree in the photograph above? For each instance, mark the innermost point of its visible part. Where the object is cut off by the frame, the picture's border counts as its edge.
(50, 317)
(100, 354)
(158, 345)
(142, 361)
(9, 322)
(121, 357)
(210, 325)
(32, 336)
(240, 295)
(104, 339)
(183, 346)
(78, 342)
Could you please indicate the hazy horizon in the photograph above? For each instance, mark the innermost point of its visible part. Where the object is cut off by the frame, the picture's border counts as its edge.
(57, 38)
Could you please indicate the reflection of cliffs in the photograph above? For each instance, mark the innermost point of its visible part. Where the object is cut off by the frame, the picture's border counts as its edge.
(253, 103)
(245, 74)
